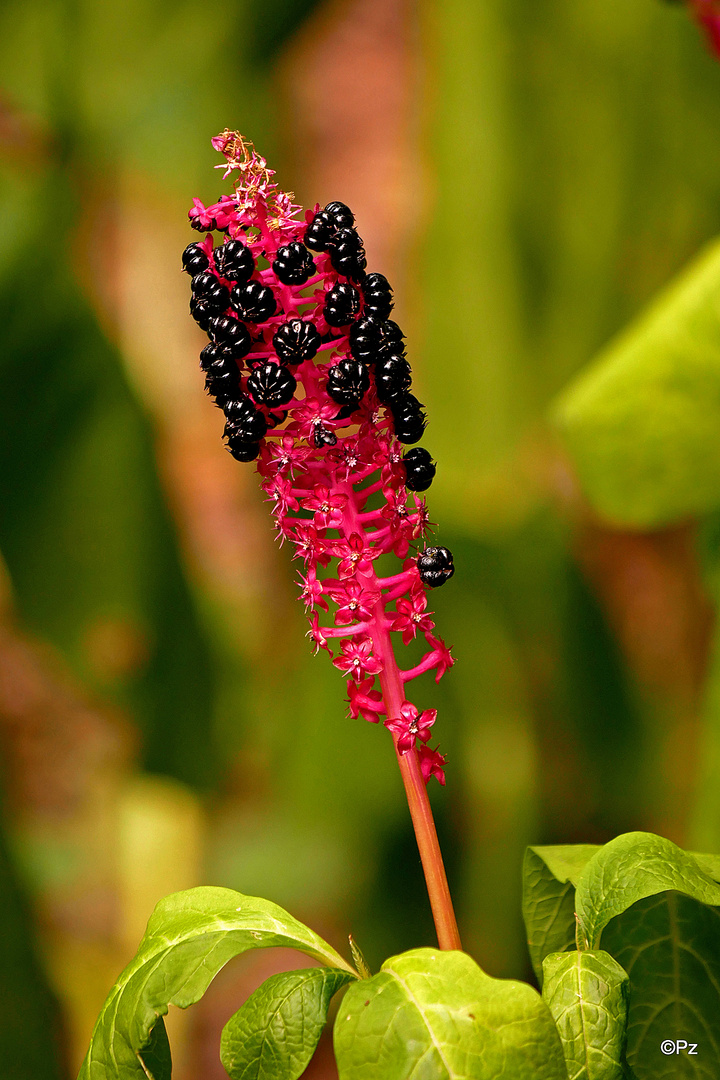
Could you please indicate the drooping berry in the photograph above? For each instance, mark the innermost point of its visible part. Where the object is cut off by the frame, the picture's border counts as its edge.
(293, 264)
(377, 295)
(347, 254)
(348, 382)
(243, 420)
(420, 469)
(222, 378)
(391, 337)
(228, 331)
(242, 449)
(435, 566)
(342, 304)
(366, 339)
(253, 301)
(194, 260)
(201, 312)
(234, 261)
(272, 385)
(295, 341)
(408, 417)
(213, 352)
(212, 292)
(392, 377)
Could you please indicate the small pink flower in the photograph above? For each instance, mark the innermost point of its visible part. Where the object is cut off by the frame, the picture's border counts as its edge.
(364, 701)
(308, 545)
(411, 726)
(432, 763)
(441, 653)
(410, 616)
(316, 633)
(328, 506)
(357, 556)
(354, 602)
(312, 590)
(357, 659)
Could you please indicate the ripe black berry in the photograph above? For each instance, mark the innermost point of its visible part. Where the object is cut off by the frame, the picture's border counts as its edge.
(408, 418)
(227, 331)
(195, 223)
(340, 214)
(243, 420)
(348, 382)
(295, 341)
(435, 565)
(326, 223)
(272, 385)
(392, 376)
(342, 304)
(194, 260)
(222, 379)
(201, 312)
(241, 449)
(347, 254)
(293, 264)
(420, 469)
(366, 339)
(213, 352)
(212, 292)
(253, 301)
(377, 295)
(234, 261)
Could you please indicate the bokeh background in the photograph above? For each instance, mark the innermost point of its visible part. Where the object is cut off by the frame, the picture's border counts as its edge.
(527, 173)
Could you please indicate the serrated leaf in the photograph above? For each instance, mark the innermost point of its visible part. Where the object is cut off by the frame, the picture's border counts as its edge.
(669, 945)
(586, 993)
(630, 868)
(549, 877)
(642, 424)
(275, 1033)
(190, 936)
(434, 1015)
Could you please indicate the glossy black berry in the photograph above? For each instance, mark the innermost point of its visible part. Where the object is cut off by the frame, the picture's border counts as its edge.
(194, 260)
(202, 313)
(323, 436)
(347, 254)
(408, 418)
(253, 301)
(326, 223)
(196, 224)
(272, 385)
(342, 304)
(366, 339)
(377, 296)
(242, 449)
(435, 565)
(420, 469)
(214, 294)
(227, 331)
(391, 337)
(234, 261)
(295, 341)
(213, 352)
(293, 264)
(392, 376)
(222, 379)
(244, 422)
(341, 215)
(348, 382)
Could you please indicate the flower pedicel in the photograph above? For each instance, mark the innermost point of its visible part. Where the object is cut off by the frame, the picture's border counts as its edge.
(313, 380)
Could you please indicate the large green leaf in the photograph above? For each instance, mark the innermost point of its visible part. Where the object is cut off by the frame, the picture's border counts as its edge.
(586, 993)
(669, 945)
(549, 878)
(155, 1057)
(435, 1015)
(642, 424)
(630, 868)
(274, 1034)
(190, 936)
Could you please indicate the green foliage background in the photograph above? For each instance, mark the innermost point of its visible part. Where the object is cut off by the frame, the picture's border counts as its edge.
(574, 165)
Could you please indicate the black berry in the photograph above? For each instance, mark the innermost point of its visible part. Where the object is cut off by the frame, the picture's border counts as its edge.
(201, 312)
(348, 382)
(272, 385)
(323, 436)
(419, 469)
(347, 254)
(212, 292)
(227, 331)
(323, 227)
(213, 352)
(392, 377)
(435, 565)
(241, 449)
(234, 261)
(293, 264)
(340, 214)
(408, 418)
(295, 341)
(244, 422)
(194, 260)
(253, 301)
(366, 339)
(377, 295)
(342, 304)
(222, 379)
(196, 224)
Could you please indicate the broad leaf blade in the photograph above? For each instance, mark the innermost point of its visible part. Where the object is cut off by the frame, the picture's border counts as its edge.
(276, 1031)
(155, 1058)
(549, 877)
(190, 937)
(642, 424)
(586, 993)
(670, 946)
(430, 1014)
(630, 868)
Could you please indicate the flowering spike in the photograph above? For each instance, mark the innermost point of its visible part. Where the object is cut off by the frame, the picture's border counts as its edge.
(315, 386)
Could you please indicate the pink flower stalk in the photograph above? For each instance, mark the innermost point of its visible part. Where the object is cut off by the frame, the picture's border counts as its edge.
(313, 379)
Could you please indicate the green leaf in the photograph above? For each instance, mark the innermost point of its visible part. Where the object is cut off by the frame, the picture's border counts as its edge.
(642, 424)
(549, 878)
(276, 1031)
(586, 993)
(628, 869)
(435, 1015)
(669, 945)
(190, 936)
(156, 1058)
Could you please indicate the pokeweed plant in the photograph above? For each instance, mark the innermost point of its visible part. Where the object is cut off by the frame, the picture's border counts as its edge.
(312, 376)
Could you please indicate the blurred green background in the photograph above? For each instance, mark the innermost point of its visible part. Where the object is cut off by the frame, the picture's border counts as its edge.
(528, 173)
